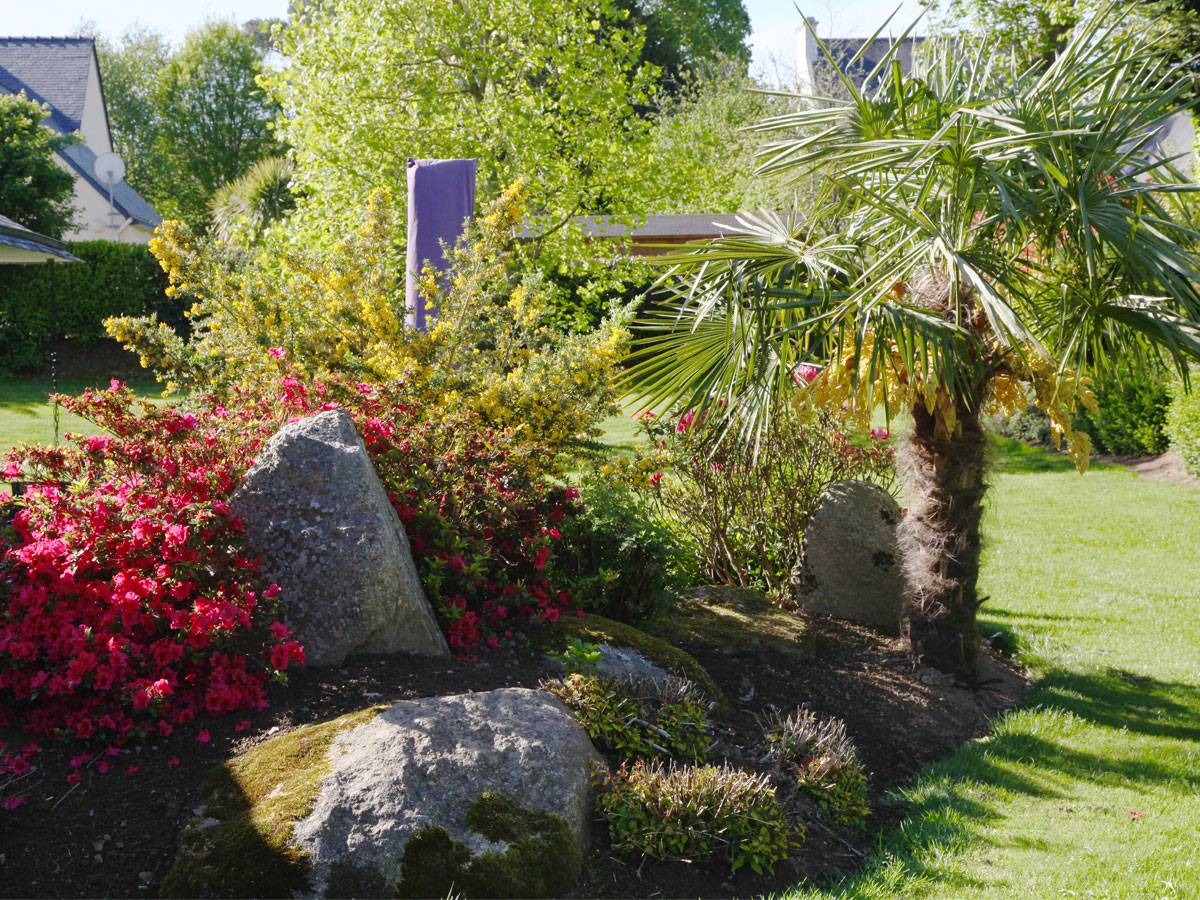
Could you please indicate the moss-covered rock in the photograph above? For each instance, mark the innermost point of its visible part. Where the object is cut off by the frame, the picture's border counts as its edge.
(241, 846)
(599, 630)
(739, 620)
(542, 858)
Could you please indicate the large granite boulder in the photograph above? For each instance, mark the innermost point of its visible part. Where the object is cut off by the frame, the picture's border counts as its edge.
(318, 517)
(477, 795)
(850, 565)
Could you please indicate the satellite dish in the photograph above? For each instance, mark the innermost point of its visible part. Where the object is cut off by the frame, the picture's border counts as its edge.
(109, 168)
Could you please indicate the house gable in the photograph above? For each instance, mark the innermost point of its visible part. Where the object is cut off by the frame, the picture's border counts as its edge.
(63, 73)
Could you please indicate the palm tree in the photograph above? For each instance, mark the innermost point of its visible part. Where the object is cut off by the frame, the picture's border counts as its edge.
(242, 209)
(985, 237)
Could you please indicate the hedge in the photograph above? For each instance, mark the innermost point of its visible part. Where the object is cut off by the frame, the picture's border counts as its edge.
(1183, 424)
(114, 280)
(1133, 412)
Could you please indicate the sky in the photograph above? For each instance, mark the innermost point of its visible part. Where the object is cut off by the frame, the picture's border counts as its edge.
(773, 21)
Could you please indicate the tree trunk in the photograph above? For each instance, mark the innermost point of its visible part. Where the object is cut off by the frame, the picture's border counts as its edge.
(943, 471)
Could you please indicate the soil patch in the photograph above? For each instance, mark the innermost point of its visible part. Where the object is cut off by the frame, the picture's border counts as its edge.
(1166, 467)
(114, 834)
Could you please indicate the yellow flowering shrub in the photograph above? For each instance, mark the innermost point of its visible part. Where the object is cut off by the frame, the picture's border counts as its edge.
(490, 348)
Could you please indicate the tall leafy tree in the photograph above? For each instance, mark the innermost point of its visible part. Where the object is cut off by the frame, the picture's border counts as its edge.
(34, 190)
(985, 236)
(541, 89)
(187, 119)
(130, 67)
(682, 37)
(215, 118)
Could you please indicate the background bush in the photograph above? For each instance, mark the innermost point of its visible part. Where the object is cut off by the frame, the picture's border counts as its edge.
(621, 561)
(1183, 425)
(1132, 416)
(114, 280)
(743, 509)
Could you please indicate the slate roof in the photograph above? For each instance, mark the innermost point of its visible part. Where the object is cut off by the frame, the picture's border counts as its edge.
(55, 71)
(51, 70)
(38, 246)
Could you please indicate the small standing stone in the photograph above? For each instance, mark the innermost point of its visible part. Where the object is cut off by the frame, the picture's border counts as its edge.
(850, 566)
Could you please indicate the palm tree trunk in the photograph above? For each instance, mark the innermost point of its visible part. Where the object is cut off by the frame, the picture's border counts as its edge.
(943, 470)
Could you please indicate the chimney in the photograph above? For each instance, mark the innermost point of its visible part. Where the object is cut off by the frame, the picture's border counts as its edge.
(807, 56)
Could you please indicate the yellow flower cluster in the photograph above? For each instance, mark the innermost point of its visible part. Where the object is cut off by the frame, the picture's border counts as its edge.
(865, 381)
(341, 311)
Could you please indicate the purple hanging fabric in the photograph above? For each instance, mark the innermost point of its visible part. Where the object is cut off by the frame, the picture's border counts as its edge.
(441, 198)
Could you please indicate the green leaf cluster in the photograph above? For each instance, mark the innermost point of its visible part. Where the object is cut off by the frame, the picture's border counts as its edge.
(671, 722)
(35, 191)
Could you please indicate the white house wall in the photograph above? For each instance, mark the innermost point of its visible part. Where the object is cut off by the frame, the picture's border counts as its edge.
(93, 124)
(91, 205)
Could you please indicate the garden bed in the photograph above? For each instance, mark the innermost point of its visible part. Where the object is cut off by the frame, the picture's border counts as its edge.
(114, 834)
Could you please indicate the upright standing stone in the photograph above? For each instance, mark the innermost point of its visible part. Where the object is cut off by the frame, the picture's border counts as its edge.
(318, 517)
(850, 565)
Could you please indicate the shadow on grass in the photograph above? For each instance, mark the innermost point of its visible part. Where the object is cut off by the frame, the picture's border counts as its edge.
(950, 806)
(1011, 457)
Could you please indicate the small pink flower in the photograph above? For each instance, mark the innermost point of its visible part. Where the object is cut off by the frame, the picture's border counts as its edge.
(204, 737)
(114, 385)
(74, 778)
(1135, 814)
(98, 442)
(805, 372)
(11, 802)
(132, 770)
(12, 470)
(277, 352)
(880, 434)
(242, 725)
(278, 629)
(173, 761)
(656, 477)
(104, 766)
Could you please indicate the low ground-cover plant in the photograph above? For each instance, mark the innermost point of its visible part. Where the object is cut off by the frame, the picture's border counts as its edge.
(745, 508)
(691, 813)
(130, 606)
(818, 756)
(670, 720)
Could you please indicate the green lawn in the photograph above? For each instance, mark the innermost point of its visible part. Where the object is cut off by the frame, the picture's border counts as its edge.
(1092, 788)
(26, 416)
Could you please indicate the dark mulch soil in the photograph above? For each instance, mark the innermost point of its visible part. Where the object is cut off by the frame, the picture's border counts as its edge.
(114, 834)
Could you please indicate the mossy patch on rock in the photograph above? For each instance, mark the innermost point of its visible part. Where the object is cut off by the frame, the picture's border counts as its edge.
(739, 620)
(542, 858)
(240, 848)
(599, 630)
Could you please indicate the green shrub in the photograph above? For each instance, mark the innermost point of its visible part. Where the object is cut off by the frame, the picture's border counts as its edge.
(114, 280)
(672, 721)
(694, 813)
(1030, 426)
(744, 508)
(1183, 425)
(1132, 414)
(620, 560)
(822, 759)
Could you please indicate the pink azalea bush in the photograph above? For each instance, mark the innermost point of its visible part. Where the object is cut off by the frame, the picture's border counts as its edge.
(130, 606)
